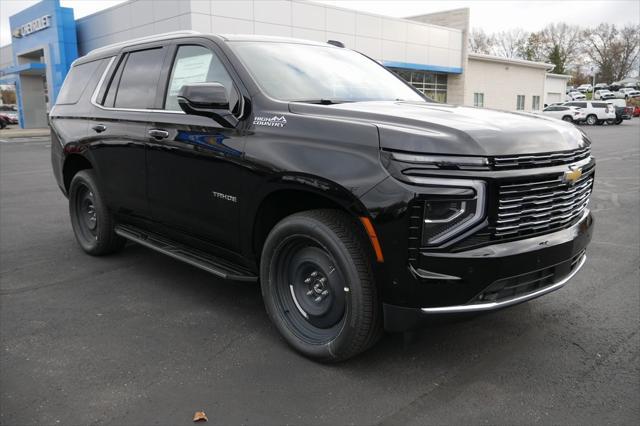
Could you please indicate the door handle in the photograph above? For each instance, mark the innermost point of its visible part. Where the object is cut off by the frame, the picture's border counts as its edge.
(99, 128)
(158, 134)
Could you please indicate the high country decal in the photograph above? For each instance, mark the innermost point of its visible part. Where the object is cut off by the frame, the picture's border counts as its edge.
(274, 121)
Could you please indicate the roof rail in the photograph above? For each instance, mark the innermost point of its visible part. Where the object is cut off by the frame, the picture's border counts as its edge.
(142, 39)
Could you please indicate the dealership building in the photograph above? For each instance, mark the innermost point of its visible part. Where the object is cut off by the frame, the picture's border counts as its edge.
(429, 51)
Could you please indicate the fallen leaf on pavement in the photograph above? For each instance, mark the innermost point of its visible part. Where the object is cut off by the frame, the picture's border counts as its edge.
(200, 416)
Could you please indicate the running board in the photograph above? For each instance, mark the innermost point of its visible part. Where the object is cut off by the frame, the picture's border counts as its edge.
(216, 266)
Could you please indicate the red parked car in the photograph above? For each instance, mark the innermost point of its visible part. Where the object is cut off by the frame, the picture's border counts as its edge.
(636, 111)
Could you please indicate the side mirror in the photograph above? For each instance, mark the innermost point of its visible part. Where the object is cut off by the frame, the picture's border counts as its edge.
(209, 100)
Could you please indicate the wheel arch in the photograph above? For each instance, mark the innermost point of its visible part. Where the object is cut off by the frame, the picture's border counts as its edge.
(282, 202)
(72, 165)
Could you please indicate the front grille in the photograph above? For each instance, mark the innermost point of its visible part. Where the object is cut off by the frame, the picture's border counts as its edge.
(540, 160)
(531, 207)
(511, 287)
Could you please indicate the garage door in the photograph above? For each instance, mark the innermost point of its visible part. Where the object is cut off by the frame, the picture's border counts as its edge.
(553, 97)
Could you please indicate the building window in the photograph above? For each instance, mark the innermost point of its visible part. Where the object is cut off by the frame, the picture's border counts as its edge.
(478, 100)
(520, 103)
(535, 103)
(432, 84)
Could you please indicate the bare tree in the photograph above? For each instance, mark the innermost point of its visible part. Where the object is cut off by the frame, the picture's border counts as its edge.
(481, 42)
(614, 51)
(533, 48)
(509, 44)
(562, 44)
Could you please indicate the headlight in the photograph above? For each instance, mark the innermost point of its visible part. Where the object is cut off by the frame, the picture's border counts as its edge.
(443, 161)
(451, 217)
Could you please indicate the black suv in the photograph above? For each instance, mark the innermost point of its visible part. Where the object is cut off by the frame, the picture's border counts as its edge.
(358, 203)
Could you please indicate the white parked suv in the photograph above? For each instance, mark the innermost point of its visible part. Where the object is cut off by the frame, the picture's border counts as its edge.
(565, 113)
(603, 94)
(584, 88)
(627, 92)
(576, 96)
(595, 112)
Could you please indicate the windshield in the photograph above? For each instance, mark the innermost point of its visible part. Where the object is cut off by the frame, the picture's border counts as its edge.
(319, 74)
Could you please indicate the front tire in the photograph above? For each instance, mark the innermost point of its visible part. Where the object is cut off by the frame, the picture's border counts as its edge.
(318, 286)
(592, 119)
(92, 223)
(567, 118)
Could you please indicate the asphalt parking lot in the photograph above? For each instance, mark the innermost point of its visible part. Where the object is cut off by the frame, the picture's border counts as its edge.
(138, 338)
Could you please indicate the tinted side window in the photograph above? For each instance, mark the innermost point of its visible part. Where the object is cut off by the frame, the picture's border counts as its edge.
(76, 82)
(197, 64)
(599, 104)
(138, 83)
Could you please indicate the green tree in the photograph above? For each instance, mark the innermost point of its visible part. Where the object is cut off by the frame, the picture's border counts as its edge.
(555, 57)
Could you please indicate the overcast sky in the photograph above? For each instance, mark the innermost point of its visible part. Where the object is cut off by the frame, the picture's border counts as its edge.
(490, 15)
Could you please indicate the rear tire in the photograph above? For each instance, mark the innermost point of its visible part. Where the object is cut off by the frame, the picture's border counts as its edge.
(92, 223)
(618, 121)
(567, 118)
(591, 120)
(318, 286)
(611, 121)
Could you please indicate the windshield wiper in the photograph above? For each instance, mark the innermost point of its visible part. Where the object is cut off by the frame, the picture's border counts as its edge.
(320, 101)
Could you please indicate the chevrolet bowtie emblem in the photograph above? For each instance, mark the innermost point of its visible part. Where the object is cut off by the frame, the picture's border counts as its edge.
(572, 175)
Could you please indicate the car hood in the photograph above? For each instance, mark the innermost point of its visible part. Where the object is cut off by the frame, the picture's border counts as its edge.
(446, 129)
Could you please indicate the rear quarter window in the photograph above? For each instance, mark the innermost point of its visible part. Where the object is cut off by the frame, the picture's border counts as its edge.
(77, 81)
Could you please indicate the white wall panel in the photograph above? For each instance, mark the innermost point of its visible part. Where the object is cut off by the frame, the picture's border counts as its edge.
(263, 28)
(417, 33)
(121, 18)
(142, 10)
(455, 40)
(309, 16)
(368, 25)
(142, 31)
(438, 37)
(341, 21)
(166, 9)
(241, 9)
(455, 58)
(200, 22)
(307, 34)
(416, 53)
(393, 51)
(200, 6)
(223, 25)
(393, 29)
(438, 56)
(369, 46)
(273, 12)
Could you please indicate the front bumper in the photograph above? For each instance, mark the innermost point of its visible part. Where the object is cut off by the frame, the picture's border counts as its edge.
(492, 277)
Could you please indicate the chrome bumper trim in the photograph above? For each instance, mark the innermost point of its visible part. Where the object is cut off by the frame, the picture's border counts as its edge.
(478, 307)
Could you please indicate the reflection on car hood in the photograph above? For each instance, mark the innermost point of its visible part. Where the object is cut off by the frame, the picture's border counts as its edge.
(447, 129)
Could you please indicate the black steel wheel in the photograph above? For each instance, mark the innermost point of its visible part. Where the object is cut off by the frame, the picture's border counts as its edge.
(318, 287)
(92, 223)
